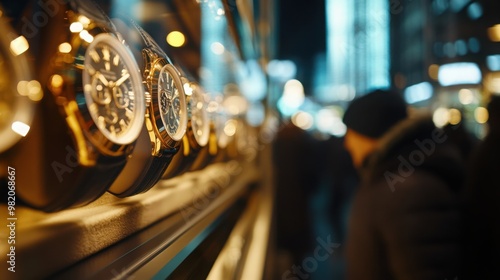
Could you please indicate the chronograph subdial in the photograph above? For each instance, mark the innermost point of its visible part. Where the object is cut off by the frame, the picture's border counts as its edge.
(101, 93)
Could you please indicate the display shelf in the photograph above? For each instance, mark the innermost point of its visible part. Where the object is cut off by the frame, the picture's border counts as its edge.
(70, 243)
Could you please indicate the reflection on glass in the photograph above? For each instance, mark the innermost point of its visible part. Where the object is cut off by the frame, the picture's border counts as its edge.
(76, 27)
(84, 20)
(85, 35)
(65, 47)
(35, 92)
(20, 128)
(217, 48)
(19, 45)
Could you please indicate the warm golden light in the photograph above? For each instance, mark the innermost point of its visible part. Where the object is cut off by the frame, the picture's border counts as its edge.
(230, 128)
(199, 105)
(20, 128)
(22, 88)
(56, 81)
(212, 107)
(85, 35)
(188, 89)
(84, 20)
(466, 96)
(494, 33)
(455, 116)
(441, 117)
(176, 39)
(235, 105)
(19, 45)
(433, 71)
(65, 47)
(76, 27)
(481, 115)
(35, 92)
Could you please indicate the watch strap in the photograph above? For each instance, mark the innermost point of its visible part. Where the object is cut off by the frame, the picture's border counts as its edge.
(93, 182)
(153, 170)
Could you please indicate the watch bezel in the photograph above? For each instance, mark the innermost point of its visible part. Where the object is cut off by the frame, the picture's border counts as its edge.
(24, 107)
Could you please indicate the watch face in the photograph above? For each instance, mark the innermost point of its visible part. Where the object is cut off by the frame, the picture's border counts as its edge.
(172, 103)
(199, 116)
(113, 89)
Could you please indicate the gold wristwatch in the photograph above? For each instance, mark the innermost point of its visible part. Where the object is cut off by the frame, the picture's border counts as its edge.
(207, 155)
(93, 112)
(165, 123)
(197, 134)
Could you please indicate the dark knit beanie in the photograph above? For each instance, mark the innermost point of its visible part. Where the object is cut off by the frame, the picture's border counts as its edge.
(375, 113)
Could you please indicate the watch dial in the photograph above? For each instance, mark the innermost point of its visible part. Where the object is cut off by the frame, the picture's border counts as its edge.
(113, 96)
(199, 117)
(171, 100)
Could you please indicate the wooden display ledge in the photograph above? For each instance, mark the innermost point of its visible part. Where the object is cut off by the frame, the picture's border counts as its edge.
(47, 243)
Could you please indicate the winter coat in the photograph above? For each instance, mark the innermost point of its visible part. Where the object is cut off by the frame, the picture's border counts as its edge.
(482, 209)
(405, 221)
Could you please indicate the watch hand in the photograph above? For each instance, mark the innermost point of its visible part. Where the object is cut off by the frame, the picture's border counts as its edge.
(102, 78)
(122, 79)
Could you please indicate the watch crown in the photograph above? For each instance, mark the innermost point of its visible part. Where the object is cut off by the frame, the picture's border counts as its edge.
(147, 97)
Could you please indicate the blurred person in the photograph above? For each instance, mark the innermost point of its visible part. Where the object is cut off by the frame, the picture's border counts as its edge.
(405, 219)
(342, 181)
(296, 168)
(482, 197)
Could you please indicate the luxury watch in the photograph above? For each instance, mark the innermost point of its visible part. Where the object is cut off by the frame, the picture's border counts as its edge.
(165, 123)
(211, 151)
(198, 130)
(94, 114)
